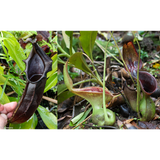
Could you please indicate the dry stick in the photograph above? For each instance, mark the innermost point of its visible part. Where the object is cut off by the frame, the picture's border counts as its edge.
(8, 94)
(50, 99)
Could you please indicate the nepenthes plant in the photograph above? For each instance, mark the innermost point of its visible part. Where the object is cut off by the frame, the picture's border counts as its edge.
(148, 83)
(27, 52)
(98, 96)
(94, 95)
(37, 66)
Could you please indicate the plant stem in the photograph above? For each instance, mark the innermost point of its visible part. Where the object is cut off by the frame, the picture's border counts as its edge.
(104, 75)
(97, 75)
(138, 84)
(63, 55)
(104, 102)
(61, 49)
(101, 47)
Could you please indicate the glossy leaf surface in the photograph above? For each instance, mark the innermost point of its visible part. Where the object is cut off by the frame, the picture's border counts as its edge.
(87, 39)
(14, 49)
(67, 35)
(48, 118)
(51, 82)
(147, 81)
(79, 62)
(54, 66)
(4, 98)
(70, 34)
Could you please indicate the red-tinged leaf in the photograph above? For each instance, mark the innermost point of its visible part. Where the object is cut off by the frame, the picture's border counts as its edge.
(94, 95)
(130, 56)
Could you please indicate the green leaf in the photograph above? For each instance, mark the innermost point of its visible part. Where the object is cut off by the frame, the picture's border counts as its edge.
(79, 62)
(4, 86)
(14, 49)
(79, 118)
(29, 124)
(2, 80)
(67, 80)
(69, 32)
(54, 65)
(87, 39)
(67, 35)
(1, 70)
(4, 98)
(64, 95)
(66, 39)
(51, 82)
(48, 118)
(76, 119)
(61, 88)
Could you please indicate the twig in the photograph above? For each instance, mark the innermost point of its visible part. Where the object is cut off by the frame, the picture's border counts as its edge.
(50, 99)
(8, 94)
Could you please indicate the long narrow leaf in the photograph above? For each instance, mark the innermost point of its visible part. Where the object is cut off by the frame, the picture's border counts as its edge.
(4, 86)
(51, 82)
(70, 34)
(14, 49)
(4, 98)
(67, 39)
(48, 118)
(54, 65)
(87, 39)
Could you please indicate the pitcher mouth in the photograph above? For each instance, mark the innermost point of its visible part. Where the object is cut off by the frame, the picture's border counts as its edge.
(35, 68)
(35, 77)
(147, 81)
(37, 64)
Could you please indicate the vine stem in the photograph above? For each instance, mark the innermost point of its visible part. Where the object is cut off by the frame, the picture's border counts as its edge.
(138, 84)
(63, 51)
(104, 75)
